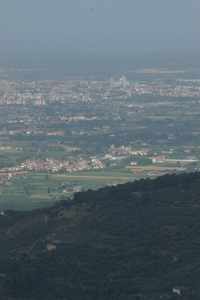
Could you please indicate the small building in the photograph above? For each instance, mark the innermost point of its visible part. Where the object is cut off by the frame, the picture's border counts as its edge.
(51, 247)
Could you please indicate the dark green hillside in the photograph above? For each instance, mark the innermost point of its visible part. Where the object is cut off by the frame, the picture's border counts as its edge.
(135, 241)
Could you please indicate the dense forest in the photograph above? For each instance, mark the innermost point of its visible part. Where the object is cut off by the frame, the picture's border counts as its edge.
(134, 241)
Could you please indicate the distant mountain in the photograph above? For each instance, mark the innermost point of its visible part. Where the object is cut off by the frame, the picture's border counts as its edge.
(135, 241)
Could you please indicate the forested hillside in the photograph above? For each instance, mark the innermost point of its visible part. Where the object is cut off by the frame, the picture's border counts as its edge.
(134, 241)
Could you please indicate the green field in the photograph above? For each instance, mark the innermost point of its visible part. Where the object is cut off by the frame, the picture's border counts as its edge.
(36, 190)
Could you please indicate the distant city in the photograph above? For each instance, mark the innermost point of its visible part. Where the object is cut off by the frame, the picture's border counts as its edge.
(58, 137)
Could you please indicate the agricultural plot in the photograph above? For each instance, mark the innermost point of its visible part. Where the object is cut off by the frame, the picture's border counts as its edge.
(37, 190)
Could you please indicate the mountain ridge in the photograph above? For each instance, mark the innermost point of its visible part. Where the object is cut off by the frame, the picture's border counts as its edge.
(134, 241)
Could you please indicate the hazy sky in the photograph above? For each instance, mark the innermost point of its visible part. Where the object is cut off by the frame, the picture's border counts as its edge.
(99, 25)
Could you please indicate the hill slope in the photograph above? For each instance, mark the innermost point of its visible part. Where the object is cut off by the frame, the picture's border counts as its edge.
(135, 241)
